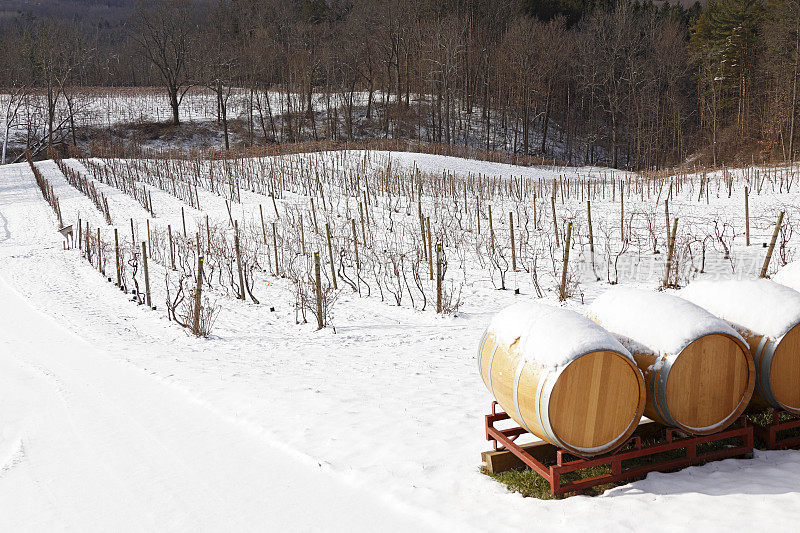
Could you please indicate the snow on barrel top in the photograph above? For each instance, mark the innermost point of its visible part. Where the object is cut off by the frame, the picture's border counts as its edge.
(789, 275)
(549, 335)
(758, 305)
(663, 324)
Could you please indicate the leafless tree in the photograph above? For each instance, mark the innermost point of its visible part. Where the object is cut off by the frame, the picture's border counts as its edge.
(165, 33)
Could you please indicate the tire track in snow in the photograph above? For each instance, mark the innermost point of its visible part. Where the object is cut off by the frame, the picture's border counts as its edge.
(15, 457)
(4, 228)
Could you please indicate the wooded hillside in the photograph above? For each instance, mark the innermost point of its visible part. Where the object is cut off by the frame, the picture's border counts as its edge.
(629, 84)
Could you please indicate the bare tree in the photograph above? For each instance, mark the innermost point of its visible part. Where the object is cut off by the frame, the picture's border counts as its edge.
(11, 115)
(166, 35)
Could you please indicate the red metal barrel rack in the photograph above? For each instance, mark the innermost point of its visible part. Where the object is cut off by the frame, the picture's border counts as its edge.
(553, 463)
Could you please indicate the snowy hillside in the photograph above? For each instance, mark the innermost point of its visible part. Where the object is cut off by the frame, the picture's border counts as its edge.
(114, 417)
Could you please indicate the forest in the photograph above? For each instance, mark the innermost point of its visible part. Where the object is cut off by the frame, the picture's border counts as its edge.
(625, 84)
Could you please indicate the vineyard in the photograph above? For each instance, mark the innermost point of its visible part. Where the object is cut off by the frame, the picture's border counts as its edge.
(299, 230)
(401, 259)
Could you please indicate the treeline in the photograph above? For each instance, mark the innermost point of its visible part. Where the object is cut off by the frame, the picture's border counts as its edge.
(630, 84)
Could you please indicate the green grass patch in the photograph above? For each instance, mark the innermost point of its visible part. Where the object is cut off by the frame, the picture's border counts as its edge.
(531, 485)
(526, 482)
(764, 418)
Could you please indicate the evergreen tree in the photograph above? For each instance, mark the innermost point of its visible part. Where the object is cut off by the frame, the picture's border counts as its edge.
(724, 43)
(781, 31)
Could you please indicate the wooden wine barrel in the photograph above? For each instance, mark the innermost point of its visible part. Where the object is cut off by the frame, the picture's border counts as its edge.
(767, 315)
(698, 369)
(562, 378)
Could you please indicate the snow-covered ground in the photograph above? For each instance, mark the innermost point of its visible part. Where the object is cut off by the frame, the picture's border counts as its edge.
(112, 417)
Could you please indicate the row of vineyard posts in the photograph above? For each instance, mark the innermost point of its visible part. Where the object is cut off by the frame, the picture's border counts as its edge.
(336, 200)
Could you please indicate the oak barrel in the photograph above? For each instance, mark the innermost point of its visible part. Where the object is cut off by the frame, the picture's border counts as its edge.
(767, 315)
(698, 369)
(562, 377)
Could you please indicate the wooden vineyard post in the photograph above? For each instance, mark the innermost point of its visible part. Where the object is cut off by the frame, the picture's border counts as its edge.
(562, 292)
(99, 253)
(466, 208)
(146, 275)
(116, 253)
(363, 230)
(330, 255)
(171, 247)
(355, 250)
(422, 232)
(108, 212)
(438, 278)
(183, 219)
(666, 216)
(513, 251)
(80, 234)
(313, 216)
(555, 220)
(275, 245)
(478, 213)
(491, 229)
(263, 229)
(149, 241)
(302, 236)
(670, 252)
(208, 235)
(104, 202)
(238, 259)
(197, 294)
(229, 207)
(274, 205)
(88, 249)
(771, 246)
(322, 195)
(591, 233)
(133, 236)
(430, 250)
(622, 214)
(318, 290)
(746, 216)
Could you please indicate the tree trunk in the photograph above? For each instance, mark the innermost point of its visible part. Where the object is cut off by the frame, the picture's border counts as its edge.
(613, 140)
(51, 112)
(174, 104)
(546, 119)
(224, 110)
(5, 142)
(794, 97)
(714, 126)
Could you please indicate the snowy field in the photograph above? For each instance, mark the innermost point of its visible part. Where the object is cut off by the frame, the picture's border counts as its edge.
(110, 106)
(113, 417)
